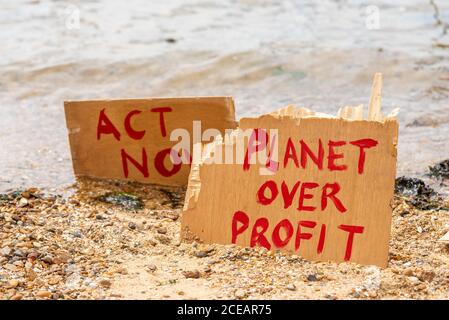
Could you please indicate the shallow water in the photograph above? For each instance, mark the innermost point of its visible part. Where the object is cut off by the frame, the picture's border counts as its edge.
(267, 54)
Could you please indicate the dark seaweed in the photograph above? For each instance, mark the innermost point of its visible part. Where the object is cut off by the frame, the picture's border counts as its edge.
(440, 170)
(418, 194)
(174, 198)
(125, 200)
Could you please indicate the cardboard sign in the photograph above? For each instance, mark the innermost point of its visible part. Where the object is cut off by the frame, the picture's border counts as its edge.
(325, 195)
(130, 139)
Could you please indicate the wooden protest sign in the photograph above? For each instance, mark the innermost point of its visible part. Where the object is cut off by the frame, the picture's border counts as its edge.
(325, 195)
(130, 139)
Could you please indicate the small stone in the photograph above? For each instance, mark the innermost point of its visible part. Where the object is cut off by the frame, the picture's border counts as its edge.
(99, 217)
(426, 276)
(37, 245)
(413, 280)
(105, 283)
(56, 296)
(192, 274)
(32, 256)
(19, 253)
(62, 257)
(6, 251)
(170, 40)
(407, 264)
(152, 242)
(239, 294)
(151, 267)
(23, 202)
(77, 234)
(200, 254)
(26, 194)
(207, 269)
(13, 284)
(162, 230)
(408, 272)
(291, 287)
(43, 294)
(132, 225)
(312, 277)
(10, 267)
(47, 259)
(54, 280)
(17, 296)
(163, 239)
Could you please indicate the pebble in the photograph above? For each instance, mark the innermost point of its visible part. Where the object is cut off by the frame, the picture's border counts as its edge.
(408, 272)
(12, 284)
(207, 269)
(43, 294)
(413, 280)
(407, 264)
(200, 254)
(239, 294)
(152, 242)
(291, 287)
(163, 239)
(77, 234)
(162, 230)
(191, 274)
(151, 267)
(23, 202)
(10, 267)
(19, 253)
(17, 296)
(105, 283)
(26, 194)
(427, 276)
(312, 277)
(32, 256)
(132, 225)
(5, 251)
(47, 259)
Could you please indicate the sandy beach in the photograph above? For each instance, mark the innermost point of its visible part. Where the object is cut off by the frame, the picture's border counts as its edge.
(82, 247)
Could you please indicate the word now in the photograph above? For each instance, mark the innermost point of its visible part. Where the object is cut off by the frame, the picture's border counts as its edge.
(283, 233)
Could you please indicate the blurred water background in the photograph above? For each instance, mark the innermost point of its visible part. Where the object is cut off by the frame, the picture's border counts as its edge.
(264, 53)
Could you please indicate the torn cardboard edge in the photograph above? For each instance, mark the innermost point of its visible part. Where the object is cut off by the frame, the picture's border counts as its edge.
(445, 238)
(346, 113)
